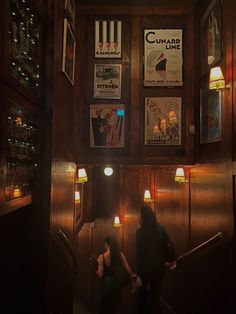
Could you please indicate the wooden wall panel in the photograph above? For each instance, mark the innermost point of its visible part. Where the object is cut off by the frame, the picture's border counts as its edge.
(62, 197)
(192, 212)
(63, 95)
(172, 206)
(211, 203)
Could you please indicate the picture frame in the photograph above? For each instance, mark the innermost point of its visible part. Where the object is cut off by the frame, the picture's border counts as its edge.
(68, 55)
(108, 35)
(211, 44)
(107, 81)
(69, 8)
(163, 57)
(162, 121)
(210, 116)
(107, 125)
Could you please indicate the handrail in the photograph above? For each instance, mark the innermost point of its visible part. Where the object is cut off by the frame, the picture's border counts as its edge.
(212, 240)
(69, 246)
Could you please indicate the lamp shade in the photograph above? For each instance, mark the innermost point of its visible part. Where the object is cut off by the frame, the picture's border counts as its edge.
(77, 197)
(117, 222)
(216, 79)
(16, 192)
(82, 176)
(179, 175)
(147, 196)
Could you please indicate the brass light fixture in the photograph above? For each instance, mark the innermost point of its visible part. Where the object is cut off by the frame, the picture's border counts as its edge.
(82, 176)
(180, 176)
(117, 222)
(216, 79)
(77, 197)
(147, 196)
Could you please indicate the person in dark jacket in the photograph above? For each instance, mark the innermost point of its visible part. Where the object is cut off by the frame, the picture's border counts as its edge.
(154, 254)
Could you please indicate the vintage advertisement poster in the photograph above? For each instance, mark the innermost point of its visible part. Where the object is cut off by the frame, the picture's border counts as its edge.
(211, 36)
(68, 58)
(210, 116)
(107, 81)
(163, 57)
(108, 39)
(162, 121)
(107, 125)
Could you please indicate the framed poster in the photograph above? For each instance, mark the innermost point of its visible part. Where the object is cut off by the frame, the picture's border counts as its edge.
(108, 39)
(70, 12)
(162, 121)
(68, 56)
(107, 125)
(211, 36)
(107, 81)
(210, 116)
(163, 57)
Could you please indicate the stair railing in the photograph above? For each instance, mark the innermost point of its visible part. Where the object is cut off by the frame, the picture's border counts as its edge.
(198, 248)
(69, 246)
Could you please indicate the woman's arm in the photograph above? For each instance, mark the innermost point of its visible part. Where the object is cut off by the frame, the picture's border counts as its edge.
(126, 265)
(100, 266)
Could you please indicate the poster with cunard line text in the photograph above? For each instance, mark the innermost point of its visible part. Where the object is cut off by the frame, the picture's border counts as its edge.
(163, 57)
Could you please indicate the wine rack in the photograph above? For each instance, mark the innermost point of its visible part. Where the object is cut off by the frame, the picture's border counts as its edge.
(22, 130)
(24, 45)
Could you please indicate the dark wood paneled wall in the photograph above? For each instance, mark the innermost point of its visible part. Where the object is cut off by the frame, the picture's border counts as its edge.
(192, 212)
(134, 21)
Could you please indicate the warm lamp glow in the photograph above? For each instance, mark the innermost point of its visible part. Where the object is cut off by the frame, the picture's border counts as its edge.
(77, 197)
(147, 196)
(16, 192)
(179, 175)
(117, 221)
(82, 176)
(216, 79)
(108, 171)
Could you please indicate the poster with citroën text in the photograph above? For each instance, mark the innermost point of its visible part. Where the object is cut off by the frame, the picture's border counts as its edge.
(163, 57)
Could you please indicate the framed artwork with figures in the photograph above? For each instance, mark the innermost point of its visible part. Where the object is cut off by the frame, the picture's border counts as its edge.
(107, 125)
(210, 116)
(211, 47)
(162, 121)
(68, 57)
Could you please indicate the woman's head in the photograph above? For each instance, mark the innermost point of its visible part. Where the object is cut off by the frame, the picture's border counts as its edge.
(111, 242)
(148, 218)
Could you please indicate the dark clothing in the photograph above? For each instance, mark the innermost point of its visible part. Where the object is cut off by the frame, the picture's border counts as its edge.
(111, 290)
(153, 249)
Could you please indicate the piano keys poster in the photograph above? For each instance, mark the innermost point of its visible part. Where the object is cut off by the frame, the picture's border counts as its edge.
(163, 57)
(108, 39)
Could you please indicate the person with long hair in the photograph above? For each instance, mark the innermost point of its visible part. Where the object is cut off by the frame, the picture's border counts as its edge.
(154, 254)
(113, 269)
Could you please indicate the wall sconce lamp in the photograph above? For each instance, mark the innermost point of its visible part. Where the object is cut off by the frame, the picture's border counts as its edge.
(179, 176)
(216, 79)
(108, 171)
(82, 176)
(77, 197)
(147, 196)
(16, 192)
(117, 222)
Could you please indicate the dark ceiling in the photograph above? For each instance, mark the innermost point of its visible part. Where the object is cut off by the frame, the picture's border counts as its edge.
(158, 3)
